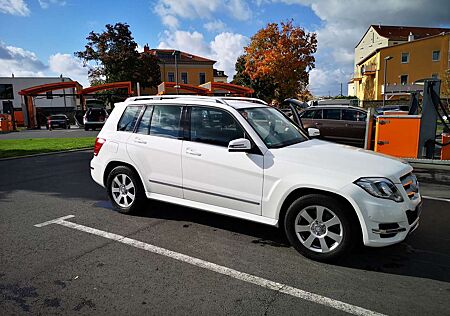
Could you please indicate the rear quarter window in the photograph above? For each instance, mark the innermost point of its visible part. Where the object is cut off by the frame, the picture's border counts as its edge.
(129, 118)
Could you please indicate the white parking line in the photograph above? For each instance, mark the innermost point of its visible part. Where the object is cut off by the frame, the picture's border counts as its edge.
(435, 198)
(268, 284)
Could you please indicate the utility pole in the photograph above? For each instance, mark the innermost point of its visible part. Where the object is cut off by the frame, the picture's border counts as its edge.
(175, 53)
(341, 90)
(384, 81)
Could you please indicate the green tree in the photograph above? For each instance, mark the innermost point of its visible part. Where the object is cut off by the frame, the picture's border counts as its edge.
(115, 57)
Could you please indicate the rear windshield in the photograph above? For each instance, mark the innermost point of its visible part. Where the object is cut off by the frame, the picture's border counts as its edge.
(58, 117)
(96, 113)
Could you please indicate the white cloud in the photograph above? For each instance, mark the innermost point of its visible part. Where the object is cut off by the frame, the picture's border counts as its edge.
(225, 48)
(345, 22)
(46, 3)
(171, 11)
(69, 66)
(24, 63)
(215, 26)
(20, 62)
(14, 7)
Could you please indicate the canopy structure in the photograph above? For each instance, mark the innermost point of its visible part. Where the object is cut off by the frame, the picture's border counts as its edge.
(31, 92)
(107, 86)
(180, 88)
(222, 88)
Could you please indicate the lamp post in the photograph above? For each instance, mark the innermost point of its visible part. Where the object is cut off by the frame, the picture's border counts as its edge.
(385, 72)
(175, 53)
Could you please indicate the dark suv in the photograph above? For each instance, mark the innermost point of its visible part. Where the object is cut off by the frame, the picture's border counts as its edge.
(94, 118)
(341, 124)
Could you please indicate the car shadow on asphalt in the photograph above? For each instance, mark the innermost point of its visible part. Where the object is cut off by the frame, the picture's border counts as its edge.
(424, 254)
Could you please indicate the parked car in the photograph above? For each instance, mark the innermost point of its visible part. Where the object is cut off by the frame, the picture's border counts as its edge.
(245, 159)
(341, 124)
(58, 120)
(94, 118)
(391, 108)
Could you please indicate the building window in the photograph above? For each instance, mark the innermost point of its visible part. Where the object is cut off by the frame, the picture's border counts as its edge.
(436, 55)
(184, 78)
(202, 78)
(404, 79)
(6, 92)
(435, 76)
(405, 58)
(171, 77)
(49, 95)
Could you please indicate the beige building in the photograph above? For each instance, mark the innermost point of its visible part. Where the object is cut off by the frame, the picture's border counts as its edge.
(380, 36)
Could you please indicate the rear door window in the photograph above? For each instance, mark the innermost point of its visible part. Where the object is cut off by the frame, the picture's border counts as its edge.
(331, 114)
(349, 115)
(129, 118)
(165, 121)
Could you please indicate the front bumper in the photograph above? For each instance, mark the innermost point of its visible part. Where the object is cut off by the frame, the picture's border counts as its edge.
(385, 222)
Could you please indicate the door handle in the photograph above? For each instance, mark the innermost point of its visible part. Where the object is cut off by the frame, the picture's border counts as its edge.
(192, 152)
(317, 124)
(140, 141)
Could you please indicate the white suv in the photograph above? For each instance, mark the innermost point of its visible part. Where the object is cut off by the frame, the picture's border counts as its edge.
(242, 158)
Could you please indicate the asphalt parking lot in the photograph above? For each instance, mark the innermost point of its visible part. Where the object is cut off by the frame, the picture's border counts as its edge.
(89, 267)
(73, 132)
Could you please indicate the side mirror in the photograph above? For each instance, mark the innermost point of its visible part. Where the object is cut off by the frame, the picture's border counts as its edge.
(313, 132)
(239, 145)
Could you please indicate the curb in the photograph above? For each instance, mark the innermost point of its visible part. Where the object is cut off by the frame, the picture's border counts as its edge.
(48, 154)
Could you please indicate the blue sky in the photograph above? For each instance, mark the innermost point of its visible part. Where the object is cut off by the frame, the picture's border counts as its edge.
(38, 37)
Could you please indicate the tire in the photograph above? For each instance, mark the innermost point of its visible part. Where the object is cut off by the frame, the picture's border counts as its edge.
(312, 236)
(68, 126)
(125, 204)
(86, 128)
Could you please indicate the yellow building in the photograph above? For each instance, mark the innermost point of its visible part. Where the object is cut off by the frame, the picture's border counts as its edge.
(406, 62)
(380, 36)
(181, 67)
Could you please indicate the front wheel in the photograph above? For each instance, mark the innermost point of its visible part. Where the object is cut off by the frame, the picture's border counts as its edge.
(125, 190)
(319, 227)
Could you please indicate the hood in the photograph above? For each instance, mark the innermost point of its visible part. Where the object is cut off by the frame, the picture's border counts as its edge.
(352, 161)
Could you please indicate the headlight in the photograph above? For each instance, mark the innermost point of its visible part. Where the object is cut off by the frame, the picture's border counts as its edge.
(380, 187)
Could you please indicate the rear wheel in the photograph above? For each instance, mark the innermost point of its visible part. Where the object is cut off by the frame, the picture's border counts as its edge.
(125, 190)
(319, 227)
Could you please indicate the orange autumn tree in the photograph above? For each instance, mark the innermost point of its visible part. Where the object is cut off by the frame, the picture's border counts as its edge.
(283, 53)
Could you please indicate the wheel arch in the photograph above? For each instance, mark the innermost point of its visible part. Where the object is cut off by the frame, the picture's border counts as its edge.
(303, 191)
(116, 163)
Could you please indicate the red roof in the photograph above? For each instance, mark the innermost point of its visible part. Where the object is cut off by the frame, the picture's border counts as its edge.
(182, 57)
(400, 33)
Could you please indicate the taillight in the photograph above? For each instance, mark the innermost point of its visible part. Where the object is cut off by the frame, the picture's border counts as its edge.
(98, 145)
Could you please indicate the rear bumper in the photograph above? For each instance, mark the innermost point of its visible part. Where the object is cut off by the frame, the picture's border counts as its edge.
(97, 171)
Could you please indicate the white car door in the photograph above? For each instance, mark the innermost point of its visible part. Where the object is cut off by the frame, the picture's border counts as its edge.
(211, 174)
(155, 148)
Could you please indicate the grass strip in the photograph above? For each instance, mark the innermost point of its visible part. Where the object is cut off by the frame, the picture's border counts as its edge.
(22, 147)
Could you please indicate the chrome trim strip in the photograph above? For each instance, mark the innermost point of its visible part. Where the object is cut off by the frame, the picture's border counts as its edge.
(205, 192)
(388, 231)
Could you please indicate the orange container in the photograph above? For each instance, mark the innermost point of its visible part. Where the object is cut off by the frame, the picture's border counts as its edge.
(445, 151)
(398, 135)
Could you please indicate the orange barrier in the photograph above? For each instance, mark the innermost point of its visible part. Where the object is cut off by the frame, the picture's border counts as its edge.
(398, 135)
(445, 151)
(5, 123)
(18, 117)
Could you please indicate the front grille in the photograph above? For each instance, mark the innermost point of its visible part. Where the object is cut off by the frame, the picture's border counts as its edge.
(410, 184)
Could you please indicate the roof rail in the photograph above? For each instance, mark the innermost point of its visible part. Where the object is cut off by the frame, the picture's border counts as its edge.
(195, 97)
(174, 96)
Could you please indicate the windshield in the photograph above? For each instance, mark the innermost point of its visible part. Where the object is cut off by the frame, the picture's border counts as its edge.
(273, 127)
